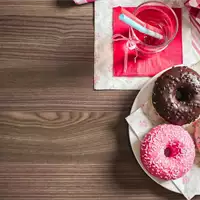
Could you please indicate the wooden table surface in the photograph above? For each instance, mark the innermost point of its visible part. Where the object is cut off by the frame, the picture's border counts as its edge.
(60, 139)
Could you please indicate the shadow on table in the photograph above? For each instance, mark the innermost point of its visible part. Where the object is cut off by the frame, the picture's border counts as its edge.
(127, 173)
(65, 3)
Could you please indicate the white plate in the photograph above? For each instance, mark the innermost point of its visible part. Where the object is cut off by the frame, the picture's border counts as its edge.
(142, 97)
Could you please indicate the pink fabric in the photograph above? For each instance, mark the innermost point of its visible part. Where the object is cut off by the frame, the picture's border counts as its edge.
(172, 55)
(193, 3)
(194, 9)
(83, 1)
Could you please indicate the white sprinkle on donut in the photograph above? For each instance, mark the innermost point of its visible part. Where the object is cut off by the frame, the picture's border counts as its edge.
(167, 151)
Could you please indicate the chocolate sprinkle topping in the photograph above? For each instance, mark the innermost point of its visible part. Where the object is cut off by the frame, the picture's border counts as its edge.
(176, 95)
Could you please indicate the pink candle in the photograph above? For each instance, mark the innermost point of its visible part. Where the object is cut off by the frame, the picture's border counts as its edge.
(83, 1)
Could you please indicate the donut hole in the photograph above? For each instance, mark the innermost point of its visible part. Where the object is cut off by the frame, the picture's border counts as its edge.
(168, 152)
(173, 149)
(184, 94)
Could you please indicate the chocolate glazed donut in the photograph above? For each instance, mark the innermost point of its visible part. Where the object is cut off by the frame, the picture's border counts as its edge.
(176, 95)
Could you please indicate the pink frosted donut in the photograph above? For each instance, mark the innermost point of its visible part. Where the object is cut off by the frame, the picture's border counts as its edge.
(167, 151)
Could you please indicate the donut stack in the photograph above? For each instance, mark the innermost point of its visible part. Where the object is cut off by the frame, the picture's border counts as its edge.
(168, 150)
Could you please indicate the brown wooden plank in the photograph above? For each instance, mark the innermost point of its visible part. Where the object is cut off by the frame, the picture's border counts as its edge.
(46, 59)
(79, 181)
(71, 155)
(57, 137)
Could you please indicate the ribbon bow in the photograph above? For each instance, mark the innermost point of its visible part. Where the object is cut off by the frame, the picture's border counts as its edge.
(130, 45)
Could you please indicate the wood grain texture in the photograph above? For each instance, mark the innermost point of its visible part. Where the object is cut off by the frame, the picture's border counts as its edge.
(59, 139)
(46, 58)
